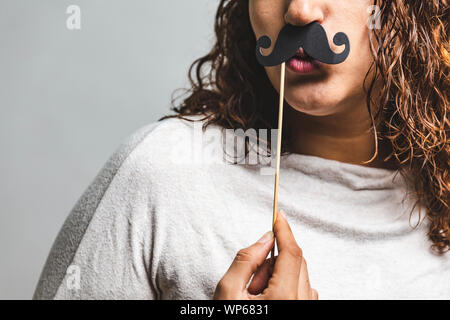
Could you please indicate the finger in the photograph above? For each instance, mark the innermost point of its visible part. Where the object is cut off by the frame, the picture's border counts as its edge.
(315, 294)
(283, 233)
(247, 262)
(286, 274)
(261, 278)
(304, 287)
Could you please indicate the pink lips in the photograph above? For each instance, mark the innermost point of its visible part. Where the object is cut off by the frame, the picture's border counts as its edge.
(302, 63)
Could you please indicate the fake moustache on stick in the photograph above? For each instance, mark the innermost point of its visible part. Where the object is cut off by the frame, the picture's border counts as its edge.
(312, 38)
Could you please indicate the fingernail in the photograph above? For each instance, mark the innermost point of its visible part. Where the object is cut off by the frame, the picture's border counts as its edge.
(282, 214)
(268, 236)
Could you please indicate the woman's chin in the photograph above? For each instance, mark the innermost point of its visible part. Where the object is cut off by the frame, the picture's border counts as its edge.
(311, 107)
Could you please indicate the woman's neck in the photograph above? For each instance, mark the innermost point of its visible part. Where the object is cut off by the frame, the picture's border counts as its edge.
(344, 136)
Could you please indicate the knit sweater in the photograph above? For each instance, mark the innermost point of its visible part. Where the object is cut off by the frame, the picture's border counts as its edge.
(164, 219)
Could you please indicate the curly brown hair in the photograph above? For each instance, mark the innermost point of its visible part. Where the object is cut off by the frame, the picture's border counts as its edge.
(411, 60)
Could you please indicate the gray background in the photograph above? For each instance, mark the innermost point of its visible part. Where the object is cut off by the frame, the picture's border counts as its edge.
(68, 98)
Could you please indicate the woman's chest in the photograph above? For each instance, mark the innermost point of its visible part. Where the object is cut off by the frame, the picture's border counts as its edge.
(193, 258)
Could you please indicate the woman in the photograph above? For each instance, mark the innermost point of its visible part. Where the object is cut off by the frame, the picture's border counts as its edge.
(368, 210)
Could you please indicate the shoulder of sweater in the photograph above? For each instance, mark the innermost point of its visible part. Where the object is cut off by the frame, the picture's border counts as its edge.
(163, 144)
(126, 174)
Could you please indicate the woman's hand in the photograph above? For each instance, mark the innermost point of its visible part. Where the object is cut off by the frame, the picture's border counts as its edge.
(286, 279)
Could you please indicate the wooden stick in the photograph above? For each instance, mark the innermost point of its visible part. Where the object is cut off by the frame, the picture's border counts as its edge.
(277, 172)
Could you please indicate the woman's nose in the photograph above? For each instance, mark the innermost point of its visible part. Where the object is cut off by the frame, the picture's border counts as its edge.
(303, 12)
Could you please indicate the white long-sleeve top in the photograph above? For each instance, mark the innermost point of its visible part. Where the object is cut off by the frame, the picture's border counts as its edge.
(161, 222)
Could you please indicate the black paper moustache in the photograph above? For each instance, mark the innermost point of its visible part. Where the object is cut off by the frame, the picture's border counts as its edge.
(312, 38)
